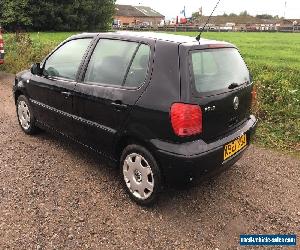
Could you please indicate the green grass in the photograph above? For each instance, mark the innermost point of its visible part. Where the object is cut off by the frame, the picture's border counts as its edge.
(273, 59)
(55, 37)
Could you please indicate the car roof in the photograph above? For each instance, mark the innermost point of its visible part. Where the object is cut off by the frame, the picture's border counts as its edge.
(180, 39)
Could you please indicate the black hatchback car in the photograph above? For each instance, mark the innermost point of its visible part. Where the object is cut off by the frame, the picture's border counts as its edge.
(163, 107)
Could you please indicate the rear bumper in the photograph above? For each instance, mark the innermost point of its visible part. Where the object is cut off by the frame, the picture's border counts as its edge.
(180, 162)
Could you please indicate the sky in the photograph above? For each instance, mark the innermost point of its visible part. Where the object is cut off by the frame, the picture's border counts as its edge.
(172, 8)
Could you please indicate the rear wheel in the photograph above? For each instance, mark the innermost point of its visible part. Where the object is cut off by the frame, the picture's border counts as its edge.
(25, 115)
(141, 174)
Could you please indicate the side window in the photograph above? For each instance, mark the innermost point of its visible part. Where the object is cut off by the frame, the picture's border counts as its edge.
(65, 61)
(110, 61)
(139, 67)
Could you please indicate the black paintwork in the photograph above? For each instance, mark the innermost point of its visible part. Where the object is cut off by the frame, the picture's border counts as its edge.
(106, 117)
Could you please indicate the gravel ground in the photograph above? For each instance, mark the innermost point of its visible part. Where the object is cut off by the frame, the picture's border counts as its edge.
(55, 194)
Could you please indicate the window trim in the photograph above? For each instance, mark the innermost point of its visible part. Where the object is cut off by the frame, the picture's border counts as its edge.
(107, 85)
(130, 64)
(57, 78)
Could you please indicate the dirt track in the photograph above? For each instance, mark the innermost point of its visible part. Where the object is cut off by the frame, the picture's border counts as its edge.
(55, 194)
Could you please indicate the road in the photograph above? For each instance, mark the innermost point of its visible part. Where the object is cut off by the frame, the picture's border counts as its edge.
(56, 194)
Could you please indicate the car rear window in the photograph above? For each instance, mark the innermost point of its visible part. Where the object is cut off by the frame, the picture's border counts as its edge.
(213, 70)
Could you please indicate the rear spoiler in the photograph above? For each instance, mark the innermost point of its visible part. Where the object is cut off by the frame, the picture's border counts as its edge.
(1, 47)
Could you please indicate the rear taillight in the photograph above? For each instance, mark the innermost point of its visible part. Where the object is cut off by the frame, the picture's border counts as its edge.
(186, 119)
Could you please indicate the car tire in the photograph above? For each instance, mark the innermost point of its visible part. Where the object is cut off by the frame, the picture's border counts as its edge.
(25, 115)
(141, 175)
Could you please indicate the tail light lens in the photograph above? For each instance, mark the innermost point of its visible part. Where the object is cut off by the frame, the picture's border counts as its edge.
(186, 119)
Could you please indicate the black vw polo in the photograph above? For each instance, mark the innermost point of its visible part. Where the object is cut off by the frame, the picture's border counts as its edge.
(161, 106)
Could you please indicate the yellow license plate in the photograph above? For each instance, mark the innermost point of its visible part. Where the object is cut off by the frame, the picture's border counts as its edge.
(234, 146)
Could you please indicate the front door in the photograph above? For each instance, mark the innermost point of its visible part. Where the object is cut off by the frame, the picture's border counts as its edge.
(52, 93)
(109, 88)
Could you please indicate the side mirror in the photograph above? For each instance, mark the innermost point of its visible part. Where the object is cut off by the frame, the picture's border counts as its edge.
(36, 69)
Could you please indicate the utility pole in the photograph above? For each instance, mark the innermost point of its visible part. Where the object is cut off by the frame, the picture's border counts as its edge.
(284, 9)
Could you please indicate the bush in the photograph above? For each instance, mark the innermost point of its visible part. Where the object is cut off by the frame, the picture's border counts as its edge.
(21, 52)
(278, 106)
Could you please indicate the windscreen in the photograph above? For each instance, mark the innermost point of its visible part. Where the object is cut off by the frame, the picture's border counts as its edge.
(216, 69)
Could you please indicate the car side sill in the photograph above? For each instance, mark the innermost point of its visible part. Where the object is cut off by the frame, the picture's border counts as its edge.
(53, 130)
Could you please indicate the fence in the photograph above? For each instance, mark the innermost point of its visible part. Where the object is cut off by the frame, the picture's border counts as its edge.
(209, 29)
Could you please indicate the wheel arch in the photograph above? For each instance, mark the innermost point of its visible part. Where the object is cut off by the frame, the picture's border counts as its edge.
(17, 93)
(128, 139)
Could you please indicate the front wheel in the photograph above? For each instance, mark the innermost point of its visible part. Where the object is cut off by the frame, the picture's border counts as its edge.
(141, 174)
(25, 115)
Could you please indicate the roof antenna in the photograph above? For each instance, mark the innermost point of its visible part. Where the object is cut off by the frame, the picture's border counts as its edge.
(199, 36)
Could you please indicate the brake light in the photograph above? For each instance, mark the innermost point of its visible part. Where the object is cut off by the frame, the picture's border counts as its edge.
(186, 119)
(216, 46)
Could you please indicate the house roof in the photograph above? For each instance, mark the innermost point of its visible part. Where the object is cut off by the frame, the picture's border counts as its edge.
(127, 10)
(147, 11)
(293, 20)
(136, 11)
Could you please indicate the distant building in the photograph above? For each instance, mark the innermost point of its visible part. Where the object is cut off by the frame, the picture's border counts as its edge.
(128, 15)
(289, 25)
(231, 23)
(248, 23)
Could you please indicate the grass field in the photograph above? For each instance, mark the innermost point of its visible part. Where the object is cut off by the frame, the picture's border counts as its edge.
(273, 59)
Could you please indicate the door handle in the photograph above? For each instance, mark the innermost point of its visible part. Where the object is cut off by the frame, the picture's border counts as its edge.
(66, 94)
(118, 105)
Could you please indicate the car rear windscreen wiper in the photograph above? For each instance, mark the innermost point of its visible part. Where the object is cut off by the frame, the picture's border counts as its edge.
(233, 85)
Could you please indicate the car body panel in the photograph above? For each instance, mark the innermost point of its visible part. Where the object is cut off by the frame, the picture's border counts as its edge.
(50, 104)
(154, 105)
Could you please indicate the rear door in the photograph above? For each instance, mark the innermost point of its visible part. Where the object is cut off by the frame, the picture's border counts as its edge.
(52, 93)
(116, 74)
(221, 84)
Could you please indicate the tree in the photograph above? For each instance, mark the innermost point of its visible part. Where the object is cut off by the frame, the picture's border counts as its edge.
(67, 15)
(264, 16)
(195, 16)
(14, 14)
(244, 13)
